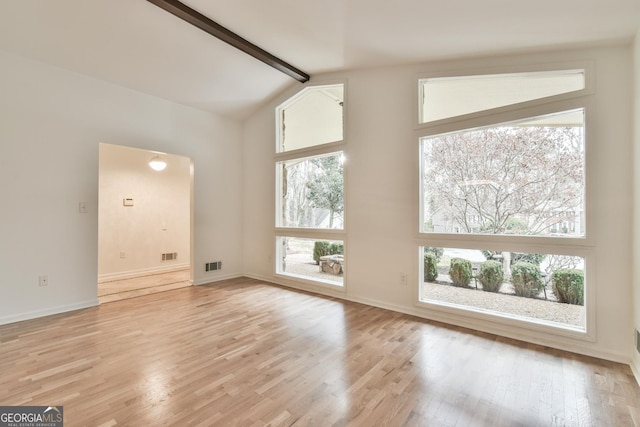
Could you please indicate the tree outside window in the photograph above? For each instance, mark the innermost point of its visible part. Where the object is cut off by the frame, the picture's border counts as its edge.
(518, 178)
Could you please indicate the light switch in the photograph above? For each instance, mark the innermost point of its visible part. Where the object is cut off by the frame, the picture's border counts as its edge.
(127, 202)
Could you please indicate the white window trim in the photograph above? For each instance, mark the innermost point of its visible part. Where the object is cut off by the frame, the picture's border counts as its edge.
(588, 240)
(289, 98)
(589, 89)
(318, 150)
(549, 328)
(317, 283)
(310, 233)
(578, 246)
(321, 151)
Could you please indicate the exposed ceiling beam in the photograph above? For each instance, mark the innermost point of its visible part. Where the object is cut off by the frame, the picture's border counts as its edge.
(197, 19)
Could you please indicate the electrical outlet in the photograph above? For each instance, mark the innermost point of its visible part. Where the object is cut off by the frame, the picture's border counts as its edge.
(43, 280)
(403, 278)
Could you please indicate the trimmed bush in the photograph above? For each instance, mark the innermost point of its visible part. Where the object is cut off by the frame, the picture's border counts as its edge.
(430, 267)
(568, 286)
(320, 249)
(437, 252)
(526, 279)
(336, 249)
(460, 272)
(491, 276)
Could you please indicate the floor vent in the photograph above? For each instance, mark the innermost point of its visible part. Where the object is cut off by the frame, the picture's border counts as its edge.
(170, 256)
(213, 266)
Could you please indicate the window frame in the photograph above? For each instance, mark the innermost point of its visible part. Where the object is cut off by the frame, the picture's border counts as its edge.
(476, 316)
(578, 245)
(290, 100)
(522, 114)
(279, 184)
(304, 153)
(589, 88)
(307, 280)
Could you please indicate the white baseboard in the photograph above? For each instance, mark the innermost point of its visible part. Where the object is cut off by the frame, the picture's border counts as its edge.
(110, 277)
(47, 312)
(216, 278)
(635, 368)
(322, 289)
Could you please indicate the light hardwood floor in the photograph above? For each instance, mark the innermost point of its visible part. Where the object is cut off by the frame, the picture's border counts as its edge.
(247, 353)
(115, 290)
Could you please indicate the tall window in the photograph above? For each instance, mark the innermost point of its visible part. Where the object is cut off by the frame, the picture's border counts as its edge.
(503, 216)
(310, 162)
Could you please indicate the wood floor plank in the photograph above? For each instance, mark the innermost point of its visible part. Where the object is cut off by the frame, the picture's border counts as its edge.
(248, 353)
(116, 290)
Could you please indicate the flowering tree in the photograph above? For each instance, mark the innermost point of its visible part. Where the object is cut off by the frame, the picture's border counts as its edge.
(504, 180)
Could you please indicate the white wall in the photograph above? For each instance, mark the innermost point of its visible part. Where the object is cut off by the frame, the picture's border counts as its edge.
(132, 239)
(381, 191)
(635, 365)
(51, 122)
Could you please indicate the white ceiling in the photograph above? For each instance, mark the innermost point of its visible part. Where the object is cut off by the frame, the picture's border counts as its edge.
(135, 44)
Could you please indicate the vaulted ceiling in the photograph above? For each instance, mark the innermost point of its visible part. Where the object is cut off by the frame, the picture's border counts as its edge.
(137, 45)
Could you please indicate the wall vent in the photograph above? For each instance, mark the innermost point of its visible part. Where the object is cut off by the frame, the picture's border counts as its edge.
(213, 266)
(170, 256)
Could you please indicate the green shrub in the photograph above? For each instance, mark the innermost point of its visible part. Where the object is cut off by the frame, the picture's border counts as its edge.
(460, 271)
(320, 249)
(568, 286)
(430, 267)
(526, 279)
(491, 276)
(437, 252)
(336, 249)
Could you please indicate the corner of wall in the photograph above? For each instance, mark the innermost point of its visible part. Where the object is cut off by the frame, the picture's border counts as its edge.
(635, 356)
(635, 366)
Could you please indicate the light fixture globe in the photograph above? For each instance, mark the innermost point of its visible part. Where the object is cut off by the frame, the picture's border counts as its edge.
(157, 164)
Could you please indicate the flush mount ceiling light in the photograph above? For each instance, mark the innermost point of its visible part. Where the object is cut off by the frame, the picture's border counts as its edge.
(157, 164)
